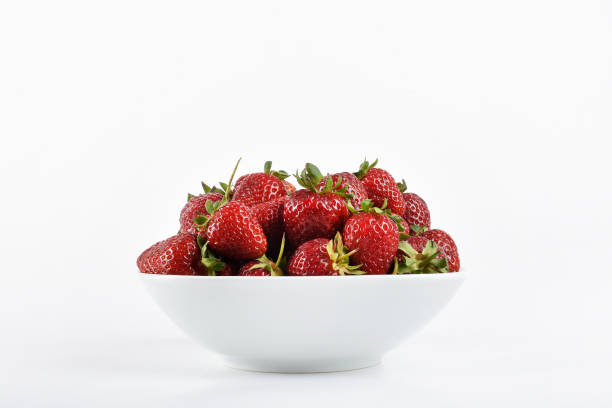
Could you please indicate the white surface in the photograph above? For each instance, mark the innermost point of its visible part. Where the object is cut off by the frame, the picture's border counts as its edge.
(497, 113)
(306, 325)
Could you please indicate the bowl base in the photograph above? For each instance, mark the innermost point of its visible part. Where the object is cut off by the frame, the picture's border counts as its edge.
(296, 366)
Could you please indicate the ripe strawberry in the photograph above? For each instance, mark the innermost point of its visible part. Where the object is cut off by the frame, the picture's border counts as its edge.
(420, 255)
(234, 232)
(416, 212)
(321, 256)
(257, 188)
(263, 266)
(177, 255)
(374, 236)
(209, 206)
(270, 216)
(353, 186)
(447, 245)
(310, 213)
(196, 206)
(381, 186)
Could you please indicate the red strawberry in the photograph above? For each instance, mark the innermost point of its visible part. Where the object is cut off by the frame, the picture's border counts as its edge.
(374, 236)
(416, 212)
(310, 213)
(270, 216)
(264, 266)
(234, 232)
(177, 255)
(321, 256)
(381, 186)
(420, 255)
(257, 188)
(196, 206)
(447, 245)
(353, 186)
(207, 207)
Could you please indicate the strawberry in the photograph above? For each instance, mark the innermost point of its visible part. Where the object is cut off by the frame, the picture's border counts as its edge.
(177, 255)
(270, 216)
(312, 213)
(195, 207)
(447, 245)
(420, 255)
(374, 235)
(234, 232)
(381, 186)
(416, 212)
(257, 188)
(353, 186)
(321, 256)
(264, 266)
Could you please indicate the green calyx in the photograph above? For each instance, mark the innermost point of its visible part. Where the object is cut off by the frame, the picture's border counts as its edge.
(364, 168)
(311, 176)
(402, 186)
(420, 262)
(222, 189)
(281, 174)
(367, 206)
(201, 220)
(211, 262)
(207, 189)
(418, 229)
(340, 258)
(275, 268)
(214, 189)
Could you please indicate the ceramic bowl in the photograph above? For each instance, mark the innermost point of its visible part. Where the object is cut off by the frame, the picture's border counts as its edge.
(301, 324)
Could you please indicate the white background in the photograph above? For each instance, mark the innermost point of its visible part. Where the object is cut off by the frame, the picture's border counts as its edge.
(497, 113)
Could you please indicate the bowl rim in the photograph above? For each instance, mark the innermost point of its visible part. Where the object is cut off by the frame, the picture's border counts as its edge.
(428, 276)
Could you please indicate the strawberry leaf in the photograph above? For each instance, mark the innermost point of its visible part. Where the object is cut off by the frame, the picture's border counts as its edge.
(402, 186)
(364, 168)
(267, 166)
(424, 262)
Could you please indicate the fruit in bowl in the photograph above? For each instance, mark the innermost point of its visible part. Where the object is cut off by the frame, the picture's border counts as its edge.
(278, 279)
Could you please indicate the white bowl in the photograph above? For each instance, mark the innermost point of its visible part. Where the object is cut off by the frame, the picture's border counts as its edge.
(302, 324)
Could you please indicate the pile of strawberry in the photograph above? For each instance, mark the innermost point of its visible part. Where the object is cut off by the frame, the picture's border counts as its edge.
(338, 224)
